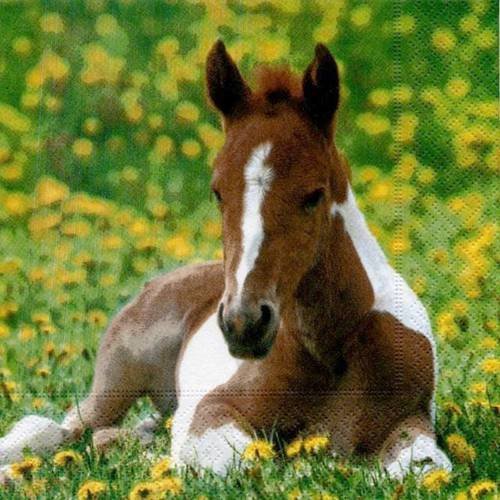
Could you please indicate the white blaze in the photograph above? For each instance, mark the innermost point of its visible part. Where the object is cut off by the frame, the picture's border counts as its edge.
(258, 178)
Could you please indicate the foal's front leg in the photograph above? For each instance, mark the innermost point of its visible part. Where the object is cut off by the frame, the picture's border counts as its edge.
(209, 436)
(412, 447)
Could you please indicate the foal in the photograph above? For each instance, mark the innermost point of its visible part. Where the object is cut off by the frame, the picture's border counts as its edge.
(303, 328)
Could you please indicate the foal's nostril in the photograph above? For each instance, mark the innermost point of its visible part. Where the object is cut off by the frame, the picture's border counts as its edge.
(220, 316)
(266, 314)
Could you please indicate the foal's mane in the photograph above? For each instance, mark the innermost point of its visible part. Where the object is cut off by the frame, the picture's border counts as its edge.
(274, 84)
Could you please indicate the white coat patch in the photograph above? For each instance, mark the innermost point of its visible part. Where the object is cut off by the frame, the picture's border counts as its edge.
(258, 178)
(422, 456)
(205, 364)
(392, 293)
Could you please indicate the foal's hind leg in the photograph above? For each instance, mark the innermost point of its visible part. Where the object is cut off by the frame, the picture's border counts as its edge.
(412, 447)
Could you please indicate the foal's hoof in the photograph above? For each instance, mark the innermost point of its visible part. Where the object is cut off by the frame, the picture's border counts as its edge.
(103, 439)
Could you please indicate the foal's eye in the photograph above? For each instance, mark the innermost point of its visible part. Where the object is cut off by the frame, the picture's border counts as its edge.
(312, 200)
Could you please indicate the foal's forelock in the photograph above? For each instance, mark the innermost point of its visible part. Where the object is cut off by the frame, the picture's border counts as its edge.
(258, 177)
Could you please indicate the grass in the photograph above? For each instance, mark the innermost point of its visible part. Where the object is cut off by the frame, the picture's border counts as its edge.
(106, 143)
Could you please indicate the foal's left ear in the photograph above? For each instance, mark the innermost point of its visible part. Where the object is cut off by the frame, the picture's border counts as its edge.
(320, 87)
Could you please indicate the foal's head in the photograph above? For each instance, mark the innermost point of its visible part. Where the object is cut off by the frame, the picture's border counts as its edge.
(275, 180)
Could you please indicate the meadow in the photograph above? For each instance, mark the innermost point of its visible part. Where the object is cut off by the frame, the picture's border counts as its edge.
(106, 144)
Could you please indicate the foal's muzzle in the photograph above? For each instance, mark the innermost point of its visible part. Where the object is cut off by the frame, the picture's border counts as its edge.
(249, 330)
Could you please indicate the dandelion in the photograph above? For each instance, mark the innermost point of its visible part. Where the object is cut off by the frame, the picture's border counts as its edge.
(491, 366)
(91, 489)
(25, 468)
(168, 423)
(83, 148)
(443, 40)
(52, 23)
(258, 450)
(67, 458)
(460, 449)
(405, 24)
(191, 148)
(187, 111)
(161, 469)
(22, 46)
(148, 490)
(488, 343)
(361, 16)
(482, 488)
(436, 479)
(315, 444)
(379, 97)
(172, 485)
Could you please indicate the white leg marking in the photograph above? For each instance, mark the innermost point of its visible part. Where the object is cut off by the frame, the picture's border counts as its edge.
(258, 178)
(217, 449)
(145, 429)
(39, 434)
(206, 363)
(422, 456)
(392, 293)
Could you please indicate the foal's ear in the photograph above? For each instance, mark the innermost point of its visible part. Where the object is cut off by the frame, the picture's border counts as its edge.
(226, 88)
(320, 87)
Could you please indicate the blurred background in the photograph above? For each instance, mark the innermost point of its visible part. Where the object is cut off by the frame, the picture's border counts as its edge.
(106, 143)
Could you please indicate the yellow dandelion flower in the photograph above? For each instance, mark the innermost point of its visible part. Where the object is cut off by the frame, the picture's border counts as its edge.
(178, 247)
(436, 479)
(405, 24)
(168, 423)
(92, 126)
(379, 97)
(294, 448)
(112, 242)
(106, 25)
(43, 372)
(91, 489)
(259, 449)
(273, 48)
(315, 444)
(191, 148)
(25, 468)
(37, 403)
(22, 46)
(147, 490)
(488, 343)
(67, 458)
(457, 88)
(482, 488)
(83, 148)
(187, 111)
(52, 22)
(4, 331)
(361, 16)
(13, 119)
(452, 408)
(161, 469)
(373, 124)
(172, 485)
(97, 317)
(469, 23)
(443, 39)
(403, 94)
(491, 366)
(35, 488)
(460, 449)
(486, 39)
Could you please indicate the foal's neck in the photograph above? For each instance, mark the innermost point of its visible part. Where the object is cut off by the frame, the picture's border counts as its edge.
(337, 294)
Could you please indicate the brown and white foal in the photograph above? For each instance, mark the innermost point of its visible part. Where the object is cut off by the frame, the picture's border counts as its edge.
(304, 327)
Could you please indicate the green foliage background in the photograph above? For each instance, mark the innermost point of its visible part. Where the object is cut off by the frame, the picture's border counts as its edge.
(106, 143)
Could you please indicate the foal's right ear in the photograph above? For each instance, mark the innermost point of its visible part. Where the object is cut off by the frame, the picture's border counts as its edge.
(226, 88)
